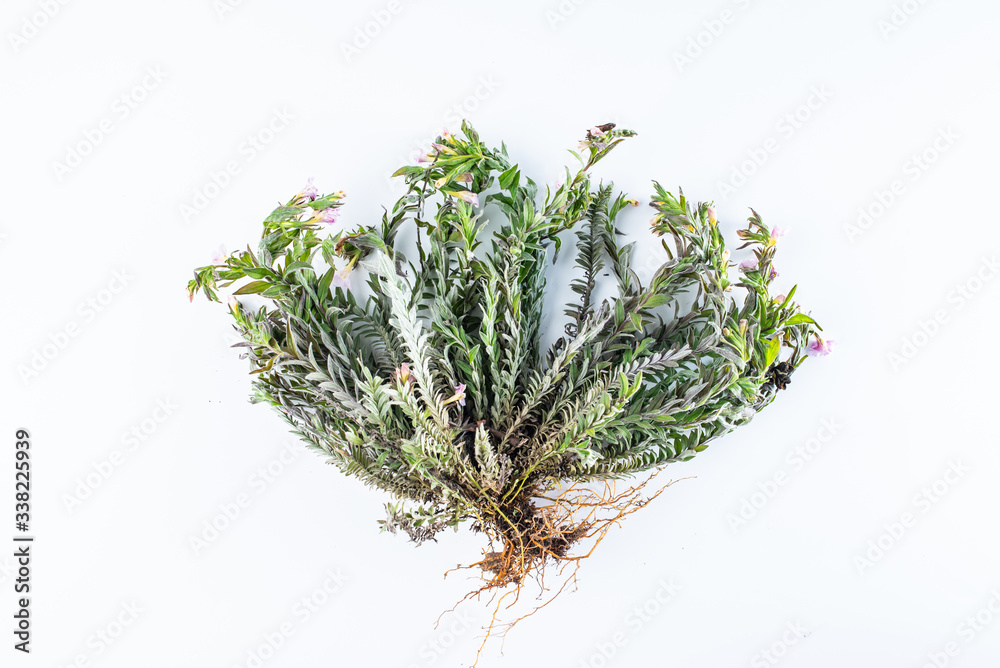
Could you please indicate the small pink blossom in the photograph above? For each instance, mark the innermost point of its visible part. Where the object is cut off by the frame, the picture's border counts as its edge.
(234, 304)
(819, 346)
(711, 214)
(774, 273)
(403, 373)
(777, 231)
(328, 216)
(749, 264)
(342, 279)
(220, 255)
(596, 131)
(468, 196)
(310, 190)
(459, 395)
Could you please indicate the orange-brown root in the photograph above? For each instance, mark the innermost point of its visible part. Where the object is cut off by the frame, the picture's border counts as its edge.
(533, 537)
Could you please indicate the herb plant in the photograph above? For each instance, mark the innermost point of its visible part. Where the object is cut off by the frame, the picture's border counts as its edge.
(437, 389)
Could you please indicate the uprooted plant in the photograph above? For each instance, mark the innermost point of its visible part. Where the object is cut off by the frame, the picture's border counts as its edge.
(437, 389)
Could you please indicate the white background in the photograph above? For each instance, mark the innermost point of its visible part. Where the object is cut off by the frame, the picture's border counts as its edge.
(83, 201)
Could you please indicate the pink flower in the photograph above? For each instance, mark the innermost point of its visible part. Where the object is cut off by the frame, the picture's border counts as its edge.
(328, 216)
(234, 304)
(774, 273)
(459, 396)
(749, 264)
(596, 131)
(310, 190)
(777, 231)
(342, 279)
(220, 255)
(467, 196)
(711, 214)
(819, 346)
(403, 373)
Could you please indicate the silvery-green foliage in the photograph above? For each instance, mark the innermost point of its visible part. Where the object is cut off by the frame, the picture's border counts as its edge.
(437, 389)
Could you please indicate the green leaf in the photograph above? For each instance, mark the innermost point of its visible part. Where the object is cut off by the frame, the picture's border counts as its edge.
(325, 282)
(408, 170)
(470, 132)
(800, 318)
(275, 290)
(509, 179)
(258, 272)
(283, 214)
(252, 288)
(324, 202)
(771, 354)
(657, 300)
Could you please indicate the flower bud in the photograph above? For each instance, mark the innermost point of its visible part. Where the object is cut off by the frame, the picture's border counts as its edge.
(403, 372)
